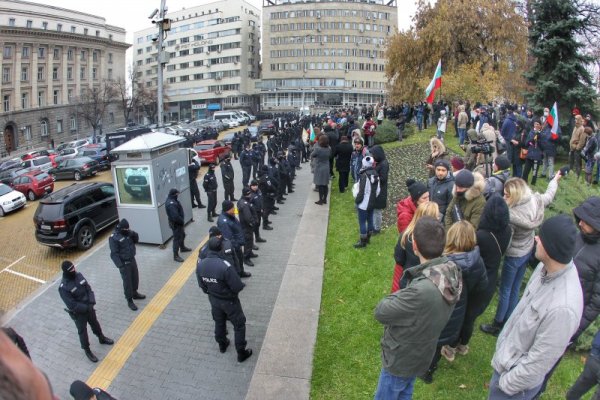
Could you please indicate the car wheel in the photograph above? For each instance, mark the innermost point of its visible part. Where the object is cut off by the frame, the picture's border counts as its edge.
(85, 237)
(30, 195)
(77, 175)
(1, 212)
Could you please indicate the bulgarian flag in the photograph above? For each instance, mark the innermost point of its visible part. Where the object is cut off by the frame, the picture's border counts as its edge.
(553, 121)
(312, 133)
(435, 83)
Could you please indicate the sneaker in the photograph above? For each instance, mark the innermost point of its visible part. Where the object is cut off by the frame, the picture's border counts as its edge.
(462, 349)
(448, 352)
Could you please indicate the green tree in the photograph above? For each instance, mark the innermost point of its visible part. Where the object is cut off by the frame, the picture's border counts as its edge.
(559, 70)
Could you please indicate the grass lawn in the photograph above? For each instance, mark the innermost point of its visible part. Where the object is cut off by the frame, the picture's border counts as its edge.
(347, 354)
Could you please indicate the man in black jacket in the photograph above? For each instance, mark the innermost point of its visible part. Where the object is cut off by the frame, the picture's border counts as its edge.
(246, 161)
(79, 298)
(122, 252)
(247, 221)
(218, 279)
(256, 201)
(227, 174)
(176, 223)
(232, 229)
(269, 193)
(193, 170)
(227, 252)
(211, 185)
(342, 154)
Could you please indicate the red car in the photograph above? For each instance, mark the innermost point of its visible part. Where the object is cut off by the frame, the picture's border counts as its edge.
(212, 151)
(34, 184)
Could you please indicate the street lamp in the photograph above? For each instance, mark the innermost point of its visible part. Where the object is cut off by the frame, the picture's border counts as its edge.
(303, 71)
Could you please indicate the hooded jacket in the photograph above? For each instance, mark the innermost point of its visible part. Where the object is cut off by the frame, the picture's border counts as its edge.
(471, 204)
(174, 210)
(405, 210)
(414, 316)
(587, 261)
(495, 183)
(382, 167)
(440, 191)
(122, 244)
(525, 217)
(441, 154)
(368, 189)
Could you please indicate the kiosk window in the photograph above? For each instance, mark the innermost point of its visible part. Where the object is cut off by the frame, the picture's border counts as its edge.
(134, 185)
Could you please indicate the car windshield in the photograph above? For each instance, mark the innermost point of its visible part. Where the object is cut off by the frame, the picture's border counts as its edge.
(42, 176)
(4, 189)
(203, 147)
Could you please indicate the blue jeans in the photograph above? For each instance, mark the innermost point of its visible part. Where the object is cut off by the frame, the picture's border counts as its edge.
(513, 271)
(420, 122)
(391, 387)
(365, 221)
(496, 393)
(462, 132)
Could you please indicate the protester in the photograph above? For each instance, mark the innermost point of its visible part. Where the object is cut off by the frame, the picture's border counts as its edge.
(438, 151)
(467, 202)
(320, 157)
(405, 209)
(590, 376)
(441, 186)
(495, 183)
(534, 156)
(576, 144)
(343, 155)
(368, 190)
(382, 168)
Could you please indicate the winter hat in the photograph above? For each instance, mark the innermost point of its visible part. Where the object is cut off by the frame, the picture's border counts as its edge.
(253, 182)
(442, 163)
(173, 192)
(246, 191)
(589, 212)
(123, 224)
(416, 189)
(557, 235)
(80, 391)
(457, 163)
(212, 165)
(367, 162)
(465, 179)
(227, 205)
(214, 231)
(502, 163)
(215, 243)
(67, 266)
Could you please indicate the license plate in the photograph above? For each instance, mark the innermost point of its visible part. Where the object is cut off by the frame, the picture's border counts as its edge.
(45, 227)
(136, 189)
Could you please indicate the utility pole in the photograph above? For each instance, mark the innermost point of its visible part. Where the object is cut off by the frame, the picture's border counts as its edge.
(164, 25)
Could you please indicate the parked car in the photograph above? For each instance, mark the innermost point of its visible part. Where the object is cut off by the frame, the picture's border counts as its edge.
(266, 127)
(10, 164)
(137, 182)
(34, 184)
(212, 151)
(72, 216)
(69, 152)
(75, 168)
(33, 154)
(10, 200)
(76, 144)
(7, 177)
(96, 152)
(254, 135)
(42, 163)
(230, 123)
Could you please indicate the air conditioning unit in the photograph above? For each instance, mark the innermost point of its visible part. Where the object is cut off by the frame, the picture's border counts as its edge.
(218, 77)
(207, 65)
(361, 30)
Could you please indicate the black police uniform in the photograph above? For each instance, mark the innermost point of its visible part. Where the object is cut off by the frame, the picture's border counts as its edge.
(226, 253)
(79, 298)
(247, 221)
(256, 160)
(246, 161)
(193, 170)
(269, 194)
(211, 185)
(231, 229)
(176, 222)
(256, 201)
(217, 278)
(122, 251)
(227, 174)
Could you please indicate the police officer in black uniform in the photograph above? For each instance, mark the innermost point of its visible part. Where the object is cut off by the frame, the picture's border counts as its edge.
(247, 221)
(122, 252)
(256, 160)
(269, 193)
(211, 185)
(227, 174)
(257, 206)
(217, 278)
(79, 298)
(176, 223)
(227, 253)
(232, 230)
(193, 170)
(246, 161)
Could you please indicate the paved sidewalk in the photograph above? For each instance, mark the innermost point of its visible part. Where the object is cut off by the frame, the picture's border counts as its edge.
(178, 358)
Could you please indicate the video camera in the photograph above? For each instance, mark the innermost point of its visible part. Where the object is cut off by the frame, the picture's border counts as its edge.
(482, 146)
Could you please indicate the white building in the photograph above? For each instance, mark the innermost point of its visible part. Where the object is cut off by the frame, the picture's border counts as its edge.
(214, 53)
(49, 55)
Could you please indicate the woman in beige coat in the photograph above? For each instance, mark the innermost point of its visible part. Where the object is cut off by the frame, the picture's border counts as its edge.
(576, 144)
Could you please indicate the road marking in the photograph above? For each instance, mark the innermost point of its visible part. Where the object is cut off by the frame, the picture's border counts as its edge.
(23, 275)
(13, 263)
(115, 360)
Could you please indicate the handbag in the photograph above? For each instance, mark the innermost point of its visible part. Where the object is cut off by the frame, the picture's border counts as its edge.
(523, 154)
(355, 189)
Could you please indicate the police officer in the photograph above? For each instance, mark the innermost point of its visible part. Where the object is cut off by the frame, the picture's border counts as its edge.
(211, 185)
(176, 223)
(232, 230)
(256, 159)
(122, 252)
(79, 298)
(227, 253)
(217, 278)
(193, 170)
(227, 174)
(269, 193)
(257, 206)
(247, 221)
(246, 161)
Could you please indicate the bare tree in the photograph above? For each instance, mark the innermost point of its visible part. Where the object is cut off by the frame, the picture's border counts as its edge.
(148, 101)
(93, 103)
(127, 97)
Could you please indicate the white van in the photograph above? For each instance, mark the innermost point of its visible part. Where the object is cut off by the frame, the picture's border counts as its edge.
(250, 117)
(234, 115)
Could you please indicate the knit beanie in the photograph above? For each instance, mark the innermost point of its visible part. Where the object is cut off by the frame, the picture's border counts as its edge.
(416, 189)
(367, 162)
(589, 212)
(80, 391)
(442, 163)
(457, 163)
(502, 163)
(67, 266)
(214, 231)
(464, 179)
(557, 235)
(227, 205)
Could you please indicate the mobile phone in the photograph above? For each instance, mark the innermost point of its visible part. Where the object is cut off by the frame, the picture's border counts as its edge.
(564, 171)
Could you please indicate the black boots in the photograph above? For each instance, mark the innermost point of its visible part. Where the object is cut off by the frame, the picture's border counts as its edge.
(492, 329)
(139, 296)
(261, 240)
(244, 355)
(184, 249)
(177, 258)
(104, 340)
(94, 359)
(131, 305)
(224, 345)
(361, 243)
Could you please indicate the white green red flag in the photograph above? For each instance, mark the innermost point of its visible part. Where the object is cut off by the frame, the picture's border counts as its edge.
(435, 83)
(553, 121)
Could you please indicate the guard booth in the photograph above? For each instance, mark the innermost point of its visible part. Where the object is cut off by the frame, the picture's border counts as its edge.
(148, 167)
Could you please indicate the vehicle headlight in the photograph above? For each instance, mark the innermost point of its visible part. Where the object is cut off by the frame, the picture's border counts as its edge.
(7, 203)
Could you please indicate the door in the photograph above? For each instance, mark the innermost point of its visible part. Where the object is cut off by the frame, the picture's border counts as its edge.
(9, 139)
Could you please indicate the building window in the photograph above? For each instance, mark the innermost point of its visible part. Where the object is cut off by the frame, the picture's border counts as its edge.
(110, 74)
(12, 22)
(184, 65)
(70, 54)
(148, 49)
(7, 52)
(6, 103)
(172, 79)
(41, 52)
(25, 52)
(59, 27)
(6, 75)
(59, 126)
(171, 67)
(70, 73)
(85, 31)
(24, 100)
(95, 56)
(28, 133)
(110, 58)
(24, 73)
(184, 78)
(82, 55)
(69, 95)
(29, 24)
(45, 25)
(55, 97)
(40, 74)
(55, 73)
(41, 98)
(73, 29)
(82, 73)
(44, 128)
(56, 54)
(111, 117)
(140, 51)
(73, 124)
(94, 73)
(97, 33)
(184, 40)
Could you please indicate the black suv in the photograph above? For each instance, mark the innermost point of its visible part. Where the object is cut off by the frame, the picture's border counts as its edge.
(72, 216)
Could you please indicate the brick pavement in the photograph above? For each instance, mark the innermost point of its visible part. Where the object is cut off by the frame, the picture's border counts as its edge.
(178, 357)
